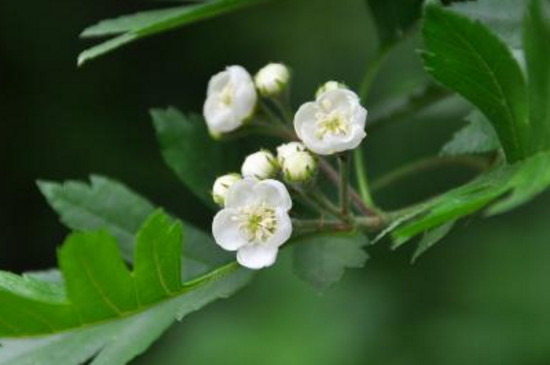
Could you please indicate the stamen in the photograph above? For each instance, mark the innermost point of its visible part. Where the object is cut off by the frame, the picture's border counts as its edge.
(257, 222)
(333, 123)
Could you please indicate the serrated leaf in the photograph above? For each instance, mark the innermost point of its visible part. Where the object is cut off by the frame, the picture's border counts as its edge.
(477, 137)
(144, 24)
(432, 237)
(516, 184)
(321, 259)
(124, 310)
(530, 178)
(537, 51)
(466, 57)
(503, 17)
(191, 153)
(110, 205)
(393, 18)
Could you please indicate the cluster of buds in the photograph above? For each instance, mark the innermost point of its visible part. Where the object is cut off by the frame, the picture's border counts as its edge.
(254, 218)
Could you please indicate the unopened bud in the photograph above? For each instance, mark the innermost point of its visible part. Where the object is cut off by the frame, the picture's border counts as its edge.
(272, 79)
(260, 165)
(222, 186)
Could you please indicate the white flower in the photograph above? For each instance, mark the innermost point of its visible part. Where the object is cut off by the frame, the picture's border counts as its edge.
(329, 86)
(221, 187)
(260, 165)
(255, 221)
(272, 79)
(299, 167)
(231, 99)
(335, 122)
(287, 149)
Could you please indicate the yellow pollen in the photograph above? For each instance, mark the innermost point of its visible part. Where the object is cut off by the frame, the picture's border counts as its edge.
(257, 222)
(333, 123)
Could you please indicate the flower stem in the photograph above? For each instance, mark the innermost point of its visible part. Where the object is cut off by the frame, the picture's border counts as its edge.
(320, 198)
(307, 199)
(319, 225)
(343, 161)
(334, 177)
(362, 176)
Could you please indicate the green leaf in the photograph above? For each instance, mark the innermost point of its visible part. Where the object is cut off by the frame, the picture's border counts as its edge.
(110, 205)
(529, 179)
(466, 57)
(432, 237)
(321, 259)
(103, 306)
(516, 184)
(537, 51)
(104, 204)
(477, 137)
(191, 153)
(393, 18)
(144, 24)
(503, 17)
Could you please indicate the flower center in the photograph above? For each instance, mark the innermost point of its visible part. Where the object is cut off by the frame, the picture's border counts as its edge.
(226, 95)
(333, 123)
(258, 222)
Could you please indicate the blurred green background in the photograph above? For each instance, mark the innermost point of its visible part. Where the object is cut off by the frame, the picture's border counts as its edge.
(480, 297)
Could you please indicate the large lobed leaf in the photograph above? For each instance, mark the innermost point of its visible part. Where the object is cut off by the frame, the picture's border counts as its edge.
(321, 259)
(466, 57)
(103, 306)
(112, 206)
(137, 26)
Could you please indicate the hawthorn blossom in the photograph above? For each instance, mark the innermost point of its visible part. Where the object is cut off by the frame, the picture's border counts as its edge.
(333, 123)
(254, 222)
(230, 101)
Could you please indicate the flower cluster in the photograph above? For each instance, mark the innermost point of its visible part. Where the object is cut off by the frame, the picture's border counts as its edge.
(254, 219)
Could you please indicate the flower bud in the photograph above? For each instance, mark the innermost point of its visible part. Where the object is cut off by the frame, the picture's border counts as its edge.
(261, 165)
(272, 79)
(329, 86)
(287, 149)
(299, 167)
(222, 186)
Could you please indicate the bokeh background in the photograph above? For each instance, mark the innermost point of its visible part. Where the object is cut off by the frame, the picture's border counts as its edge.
(480, 297)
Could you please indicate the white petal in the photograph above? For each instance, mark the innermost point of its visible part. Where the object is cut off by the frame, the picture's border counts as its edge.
(244, 92)
(218, 82)
(284, 229)
(245, 99)
(240, 193)
(219, 119)
(360, 117)
(257, 256)
(316, 145)
(304, 116)
(274, 193)
(226, 231)
(340, 98)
